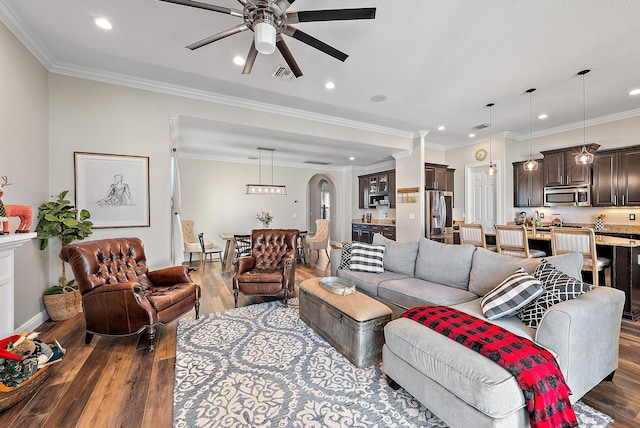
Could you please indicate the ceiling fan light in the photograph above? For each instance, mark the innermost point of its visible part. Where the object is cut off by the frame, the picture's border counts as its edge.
(265, 37)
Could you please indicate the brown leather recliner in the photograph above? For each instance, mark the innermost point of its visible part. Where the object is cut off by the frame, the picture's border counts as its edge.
(271, 268)
(120, 296)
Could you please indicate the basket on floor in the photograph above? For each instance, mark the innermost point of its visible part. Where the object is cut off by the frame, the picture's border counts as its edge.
(10, 396)
(63, 306)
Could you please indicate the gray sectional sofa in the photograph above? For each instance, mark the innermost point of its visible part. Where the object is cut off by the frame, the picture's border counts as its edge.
(459, 385)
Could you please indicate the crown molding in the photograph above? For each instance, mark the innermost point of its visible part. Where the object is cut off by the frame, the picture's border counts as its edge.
(12, 21)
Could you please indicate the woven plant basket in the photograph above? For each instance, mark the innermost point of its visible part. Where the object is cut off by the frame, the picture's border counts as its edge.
(63, 306)
(10, 396)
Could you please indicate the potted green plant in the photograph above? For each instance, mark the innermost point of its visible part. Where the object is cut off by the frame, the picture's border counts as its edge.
(60, 219)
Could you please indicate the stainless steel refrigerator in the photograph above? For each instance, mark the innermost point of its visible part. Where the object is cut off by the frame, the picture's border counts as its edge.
(438, 215)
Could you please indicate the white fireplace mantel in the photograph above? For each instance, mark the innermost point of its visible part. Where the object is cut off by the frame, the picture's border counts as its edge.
(8, 244)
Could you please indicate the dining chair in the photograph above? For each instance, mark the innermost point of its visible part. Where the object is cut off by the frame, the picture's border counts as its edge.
(243, 245)
(301, 257)
(191, 243)
(580, 240)
(320, 240)
(208, 251)
(512, 241)
(473, 234)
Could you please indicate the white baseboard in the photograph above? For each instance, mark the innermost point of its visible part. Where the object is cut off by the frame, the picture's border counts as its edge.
(33, 323)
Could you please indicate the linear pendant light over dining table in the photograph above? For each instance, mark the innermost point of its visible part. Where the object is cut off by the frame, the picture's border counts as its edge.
(265, 189)
(531, 164)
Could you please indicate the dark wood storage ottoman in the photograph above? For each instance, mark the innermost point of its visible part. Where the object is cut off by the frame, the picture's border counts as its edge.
(353, 324)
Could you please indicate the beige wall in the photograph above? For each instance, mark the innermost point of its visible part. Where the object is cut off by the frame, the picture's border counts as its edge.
(24, 157)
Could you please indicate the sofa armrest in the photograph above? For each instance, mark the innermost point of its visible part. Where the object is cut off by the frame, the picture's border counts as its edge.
(585, 334)
(335, 257)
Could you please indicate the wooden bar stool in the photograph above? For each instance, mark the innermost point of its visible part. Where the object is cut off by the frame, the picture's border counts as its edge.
(579, 240)
(512, 241)
(473, 234)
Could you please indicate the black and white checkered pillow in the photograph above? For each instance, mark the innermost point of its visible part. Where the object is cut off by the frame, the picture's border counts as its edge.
(514, 293)
(367, 258)
(345, 260)
(558, 287)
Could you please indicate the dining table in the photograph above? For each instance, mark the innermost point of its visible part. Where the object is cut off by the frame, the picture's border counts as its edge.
(624, 254)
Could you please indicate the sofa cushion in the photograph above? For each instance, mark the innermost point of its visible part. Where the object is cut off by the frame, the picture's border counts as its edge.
(345, 259)
(489, 269)
(368, 282)
(558, 287)
(399, 258)
(444, 264)
(411, 292)
(514, 293)
(367, 258)
(473, 378)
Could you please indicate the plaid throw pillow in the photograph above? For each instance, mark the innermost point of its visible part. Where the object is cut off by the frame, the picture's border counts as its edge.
(514, 293)
(558, 287)
(367, 258)
(345, 261)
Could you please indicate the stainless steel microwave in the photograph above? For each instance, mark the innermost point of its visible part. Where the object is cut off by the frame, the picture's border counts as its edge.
(568, 196)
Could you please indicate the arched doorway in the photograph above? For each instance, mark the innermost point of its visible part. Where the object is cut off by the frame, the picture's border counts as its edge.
(321, 202)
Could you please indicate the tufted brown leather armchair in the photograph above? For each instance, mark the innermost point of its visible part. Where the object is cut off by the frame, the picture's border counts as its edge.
(120, 296)
(271, 267)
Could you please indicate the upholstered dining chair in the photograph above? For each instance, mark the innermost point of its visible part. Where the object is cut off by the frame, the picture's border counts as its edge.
(512, 240)
(320, 240)
(473, 234)
(579, 240)
(270, 269)
(191, 242)
(208, 251)
(120, 295)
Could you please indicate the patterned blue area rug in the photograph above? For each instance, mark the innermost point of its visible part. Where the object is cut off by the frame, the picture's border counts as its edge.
(261, 366)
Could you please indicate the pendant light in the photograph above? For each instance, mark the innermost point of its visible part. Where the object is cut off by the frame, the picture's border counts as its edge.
(491, 169)
(265, 189)
(584, 157)
(531, 164)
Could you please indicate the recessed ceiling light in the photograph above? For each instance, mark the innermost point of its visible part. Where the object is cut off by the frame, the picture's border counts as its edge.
(378, 98)
(635, 92)
(441, 128)
(351, 158)
(543, 116)
(329, 85)
(472, 135)
(238, 60)
(103, 23)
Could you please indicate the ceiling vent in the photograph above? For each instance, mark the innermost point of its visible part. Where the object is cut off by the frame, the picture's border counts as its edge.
(481, 126)
(317, 162)
(283, 73)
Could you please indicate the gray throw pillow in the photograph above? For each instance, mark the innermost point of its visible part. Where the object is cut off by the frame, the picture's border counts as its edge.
(558, 287)
(444, 264)
(367, 258)
(514, 293)
(399, 258)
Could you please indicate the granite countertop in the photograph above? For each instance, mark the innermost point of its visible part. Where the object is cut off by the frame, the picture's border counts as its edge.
(609, 228)
(385, 222)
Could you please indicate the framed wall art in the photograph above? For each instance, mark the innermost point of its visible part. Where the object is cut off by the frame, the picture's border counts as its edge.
(113, 188)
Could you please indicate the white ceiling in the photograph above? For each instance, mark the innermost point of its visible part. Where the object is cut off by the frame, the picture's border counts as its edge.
(437, 62)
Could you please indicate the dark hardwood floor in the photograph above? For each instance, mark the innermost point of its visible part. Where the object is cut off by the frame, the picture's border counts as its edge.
(116, 382)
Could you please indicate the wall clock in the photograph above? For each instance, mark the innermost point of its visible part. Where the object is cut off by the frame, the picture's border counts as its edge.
(481, 154)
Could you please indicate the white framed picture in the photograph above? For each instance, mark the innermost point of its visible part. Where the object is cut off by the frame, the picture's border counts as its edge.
(113, 188)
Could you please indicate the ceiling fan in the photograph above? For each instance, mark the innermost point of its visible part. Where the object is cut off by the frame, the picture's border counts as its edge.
(269, 20)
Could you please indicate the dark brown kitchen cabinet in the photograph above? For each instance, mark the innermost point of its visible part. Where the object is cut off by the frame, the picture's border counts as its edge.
(435, 176)
(392, 189)
(616, 178)
(528, 185)
(560, 168)
(363, 192)
(449, 180)
(364, 232)
(377, 189)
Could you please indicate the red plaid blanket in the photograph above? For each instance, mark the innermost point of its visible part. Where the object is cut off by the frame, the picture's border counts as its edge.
(538, 375)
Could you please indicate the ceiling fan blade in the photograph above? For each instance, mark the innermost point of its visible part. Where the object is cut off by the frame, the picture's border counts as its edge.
(313, 42)
(207, 6)
(251, 58)
(284, 4)
(288, 57)
(331, 15)
(221, 35)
